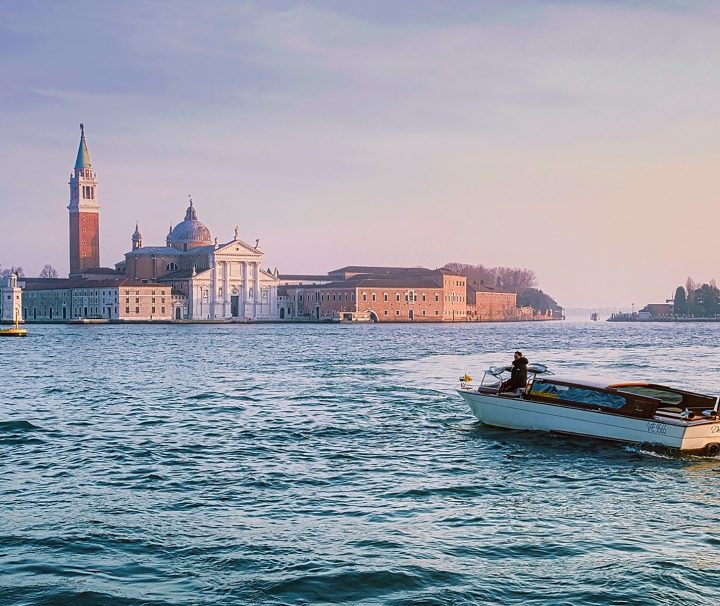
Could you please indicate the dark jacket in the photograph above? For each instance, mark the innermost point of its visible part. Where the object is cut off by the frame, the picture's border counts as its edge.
(518, 374)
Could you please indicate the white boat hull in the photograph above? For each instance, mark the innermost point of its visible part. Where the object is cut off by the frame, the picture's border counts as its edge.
(517, 413)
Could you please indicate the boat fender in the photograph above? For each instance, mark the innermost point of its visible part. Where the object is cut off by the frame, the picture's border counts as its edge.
(712, 449)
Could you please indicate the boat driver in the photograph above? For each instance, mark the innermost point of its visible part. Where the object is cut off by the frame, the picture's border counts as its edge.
(518, 374)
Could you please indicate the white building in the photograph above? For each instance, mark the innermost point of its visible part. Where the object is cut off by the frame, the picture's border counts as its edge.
(210, 281)
(10, 299)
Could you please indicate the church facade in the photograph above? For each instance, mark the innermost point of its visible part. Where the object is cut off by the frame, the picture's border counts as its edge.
(209, 281)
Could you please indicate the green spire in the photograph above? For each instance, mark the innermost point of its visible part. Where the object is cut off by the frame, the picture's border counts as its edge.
(83, 155)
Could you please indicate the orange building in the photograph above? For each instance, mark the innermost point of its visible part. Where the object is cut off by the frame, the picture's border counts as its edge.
(380, 294)
(487, 304)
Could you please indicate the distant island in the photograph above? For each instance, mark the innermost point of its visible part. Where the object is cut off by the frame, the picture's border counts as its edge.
(691, 303)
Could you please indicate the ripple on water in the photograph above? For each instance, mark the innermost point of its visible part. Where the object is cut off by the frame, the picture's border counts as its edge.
(335, 464)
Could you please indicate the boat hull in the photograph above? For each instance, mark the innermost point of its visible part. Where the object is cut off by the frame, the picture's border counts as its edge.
(702, 437)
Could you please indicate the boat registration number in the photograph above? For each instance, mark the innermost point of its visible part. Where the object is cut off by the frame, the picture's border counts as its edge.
(657, 428)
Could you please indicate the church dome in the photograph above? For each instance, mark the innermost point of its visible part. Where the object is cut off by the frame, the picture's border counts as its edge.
(190, 233)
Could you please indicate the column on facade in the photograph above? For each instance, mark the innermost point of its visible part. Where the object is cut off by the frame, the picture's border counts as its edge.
(256, 289)
(246, 289)
(226, 288)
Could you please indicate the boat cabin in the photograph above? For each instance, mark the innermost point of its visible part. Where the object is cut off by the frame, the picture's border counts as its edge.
(632, 399)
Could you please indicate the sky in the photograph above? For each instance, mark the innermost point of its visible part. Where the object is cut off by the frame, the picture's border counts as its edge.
(580, 139)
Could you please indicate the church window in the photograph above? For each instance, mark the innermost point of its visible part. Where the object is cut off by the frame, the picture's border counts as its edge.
(364, 297)
(437, 298)
(137, 310)
(127, 299)
(424, 298)
(385, 297)
(301, 298)
(153, 310)
(373, 297)
(127, 310)
(397, 297)
(137, 299)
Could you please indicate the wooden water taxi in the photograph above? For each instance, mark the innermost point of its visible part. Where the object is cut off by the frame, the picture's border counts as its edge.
(623, 411)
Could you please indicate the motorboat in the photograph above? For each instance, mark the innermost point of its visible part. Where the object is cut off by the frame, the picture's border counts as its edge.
(632, 411)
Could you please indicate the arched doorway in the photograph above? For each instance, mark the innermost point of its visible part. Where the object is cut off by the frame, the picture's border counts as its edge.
(178, 313)
(282, 313)
(374, 316)
(317, 312)
(411, 315)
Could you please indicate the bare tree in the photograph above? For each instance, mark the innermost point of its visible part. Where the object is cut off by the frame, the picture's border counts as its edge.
(513, 279)
(690, 288)
(48, 271)
(14, 269)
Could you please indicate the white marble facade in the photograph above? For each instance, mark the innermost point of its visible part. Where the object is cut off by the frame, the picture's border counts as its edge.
(234, 286)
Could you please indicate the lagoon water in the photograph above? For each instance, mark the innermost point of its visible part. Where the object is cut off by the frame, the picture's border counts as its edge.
(297, 464)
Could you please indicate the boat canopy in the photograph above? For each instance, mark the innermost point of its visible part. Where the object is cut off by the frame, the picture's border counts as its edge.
(535, 369)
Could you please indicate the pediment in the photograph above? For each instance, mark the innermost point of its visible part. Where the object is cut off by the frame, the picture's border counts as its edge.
(239, 248)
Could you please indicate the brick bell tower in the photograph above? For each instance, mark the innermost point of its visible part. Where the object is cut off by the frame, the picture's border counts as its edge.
(84, 213)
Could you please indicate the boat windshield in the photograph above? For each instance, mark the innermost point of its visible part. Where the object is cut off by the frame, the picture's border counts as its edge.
(583, 395)
(666, 397)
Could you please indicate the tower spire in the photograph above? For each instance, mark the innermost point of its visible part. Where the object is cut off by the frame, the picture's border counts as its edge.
(83, 155)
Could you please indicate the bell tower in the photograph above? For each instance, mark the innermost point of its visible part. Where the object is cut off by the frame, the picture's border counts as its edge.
(84, 212)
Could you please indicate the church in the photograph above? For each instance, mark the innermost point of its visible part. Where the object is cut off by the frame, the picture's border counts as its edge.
(208, 280)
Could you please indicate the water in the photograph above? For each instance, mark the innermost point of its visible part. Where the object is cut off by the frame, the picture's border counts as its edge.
(218, 465)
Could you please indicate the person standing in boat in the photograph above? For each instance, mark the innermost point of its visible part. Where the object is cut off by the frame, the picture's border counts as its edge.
(518, 374)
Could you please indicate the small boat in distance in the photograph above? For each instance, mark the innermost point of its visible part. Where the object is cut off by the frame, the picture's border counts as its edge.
(631, 411)
(594, 316)
(16, 331)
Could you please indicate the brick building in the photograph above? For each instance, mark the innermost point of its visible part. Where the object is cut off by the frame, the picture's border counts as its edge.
(382, 294)
(488, 304)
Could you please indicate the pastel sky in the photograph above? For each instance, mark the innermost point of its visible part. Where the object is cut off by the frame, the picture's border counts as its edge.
(580, 139)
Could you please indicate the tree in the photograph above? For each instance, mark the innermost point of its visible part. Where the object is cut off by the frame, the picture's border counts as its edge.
(538, 300)
(680, 305)
(690, 287)
(14, 269)
(512, 279)
(48, 271)
(707, 299)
